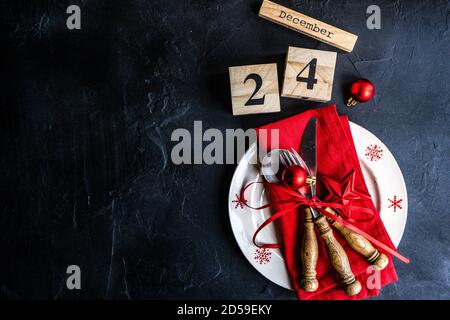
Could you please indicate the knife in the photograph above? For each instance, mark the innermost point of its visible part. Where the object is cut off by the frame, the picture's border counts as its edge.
(336, 254)
(360, 244)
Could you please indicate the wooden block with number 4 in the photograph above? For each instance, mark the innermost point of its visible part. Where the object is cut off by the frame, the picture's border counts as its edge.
(254, 89)
(309, 74)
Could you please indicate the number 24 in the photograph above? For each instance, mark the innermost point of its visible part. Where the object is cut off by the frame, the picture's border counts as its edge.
(310, 82)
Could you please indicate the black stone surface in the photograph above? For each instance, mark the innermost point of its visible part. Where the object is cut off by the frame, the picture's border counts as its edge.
(87, 116)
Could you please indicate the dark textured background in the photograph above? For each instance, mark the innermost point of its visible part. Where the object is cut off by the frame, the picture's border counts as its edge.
(86, 119)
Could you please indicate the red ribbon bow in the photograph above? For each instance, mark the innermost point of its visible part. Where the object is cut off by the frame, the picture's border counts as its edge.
(315, 203)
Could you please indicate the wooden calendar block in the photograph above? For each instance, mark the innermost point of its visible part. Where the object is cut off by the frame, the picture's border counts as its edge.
(309, 74)
(254, 89)
(308, 26)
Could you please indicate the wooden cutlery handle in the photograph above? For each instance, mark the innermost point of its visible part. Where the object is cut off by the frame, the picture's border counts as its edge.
(361, 244)
(338, 258)
(310, 254)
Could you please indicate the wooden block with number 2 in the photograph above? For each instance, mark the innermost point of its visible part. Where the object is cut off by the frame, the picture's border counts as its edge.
(309, 74)
(254, 89)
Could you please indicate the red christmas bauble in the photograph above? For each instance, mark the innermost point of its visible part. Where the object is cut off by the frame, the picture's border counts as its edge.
(361, 90)
(294, 176)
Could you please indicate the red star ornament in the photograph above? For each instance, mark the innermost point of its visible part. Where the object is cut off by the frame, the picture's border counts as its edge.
(344, 192)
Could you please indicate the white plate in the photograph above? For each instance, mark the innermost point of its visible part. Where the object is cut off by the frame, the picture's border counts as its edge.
(384, 181)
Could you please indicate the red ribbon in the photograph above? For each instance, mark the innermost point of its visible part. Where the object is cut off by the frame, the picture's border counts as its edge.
(315, 203)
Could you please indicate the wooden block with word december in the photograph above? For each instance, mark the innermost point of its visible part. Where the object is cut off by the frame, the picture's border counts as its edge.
(309, 26)
(309, 74)
(254, 89)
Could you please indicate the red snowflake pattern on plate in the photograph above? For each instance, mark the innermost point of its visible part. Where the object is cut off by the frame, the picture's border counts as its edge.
(374, 152)
(263, 256)
(395, 203)
(239, 202)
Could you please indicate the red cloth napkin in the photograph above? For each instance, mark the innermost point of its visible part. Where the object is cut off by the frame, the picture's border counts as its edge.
(336, 158)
